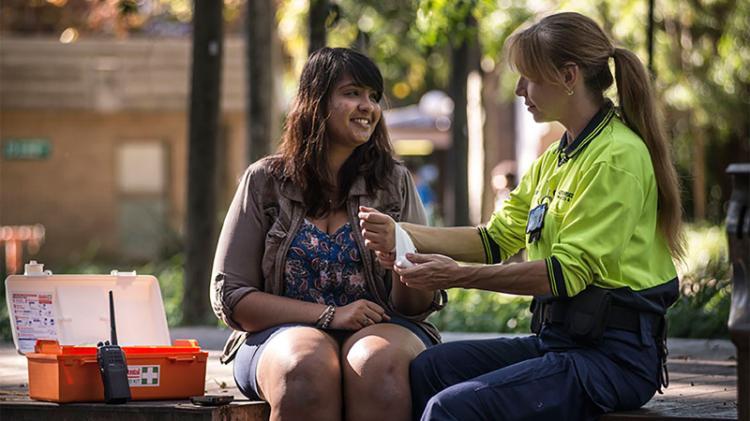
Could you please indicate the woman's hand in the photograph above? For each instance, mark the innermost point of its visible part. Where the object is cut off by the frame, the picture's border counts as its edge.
(430, 272)
(386, 260)
(359, 314)
(378, 229)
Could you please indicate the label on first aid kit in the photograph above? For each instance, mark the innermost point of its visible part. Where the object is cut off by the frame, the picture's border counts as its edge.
(34, 318)
(143, 375)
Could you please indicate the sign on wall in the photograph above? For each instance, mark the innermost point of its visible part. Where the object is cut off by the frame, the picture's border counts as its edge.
(26, 149)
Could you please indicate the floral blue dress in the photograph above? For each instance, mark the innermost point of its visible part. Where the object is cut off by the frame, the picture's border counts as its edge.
(325, 268)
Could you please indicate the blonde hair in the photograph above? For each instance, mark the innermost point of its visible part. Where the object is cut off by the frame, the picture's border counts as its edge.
(540, 51)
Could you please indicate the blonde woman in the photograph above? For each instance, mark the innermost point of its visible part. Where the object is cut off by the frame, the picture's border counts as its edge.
(599, 216)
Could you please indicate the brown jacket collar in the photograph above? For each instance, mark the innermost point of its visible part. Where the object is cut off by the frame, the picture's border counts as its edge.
(292, 191)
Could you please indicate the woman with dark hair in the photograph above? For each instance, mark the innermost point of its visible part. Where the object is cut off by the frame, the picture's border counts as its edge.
(321, 331)
(599, 216)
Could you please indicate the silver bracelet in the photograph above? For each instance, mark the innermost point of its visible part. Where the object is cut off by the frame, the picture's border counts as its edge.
(325, 318)
(321, 317)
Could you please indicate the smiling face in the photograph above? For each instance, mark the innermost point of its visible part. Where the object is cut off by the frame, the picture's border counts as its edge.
(353, 113)
(545, 101)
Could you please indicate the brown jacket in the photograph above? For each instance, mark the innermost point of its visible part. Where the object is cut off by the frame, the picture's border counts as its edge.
(261, 223)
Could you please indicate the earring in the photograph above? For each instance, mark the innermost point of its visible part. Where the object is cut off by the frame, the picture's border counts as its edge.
(569, 92)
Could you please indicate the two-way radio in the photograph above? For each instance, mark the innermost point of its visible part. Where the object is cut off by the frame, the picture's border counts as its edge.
(112, 364)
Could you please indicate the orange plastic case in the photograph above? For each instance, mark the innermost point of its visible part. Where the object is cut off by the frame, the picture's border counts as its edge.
(53, 315)
(60, 373)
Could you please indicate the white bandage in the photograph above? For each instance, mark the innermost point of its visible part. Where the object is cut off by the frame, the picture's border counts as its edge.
(403, 245)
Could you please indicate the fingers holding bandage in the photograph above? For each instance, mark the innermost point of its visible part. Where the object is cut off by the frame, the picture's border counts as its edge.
(380, 231)
(428, 272)
(386, 260)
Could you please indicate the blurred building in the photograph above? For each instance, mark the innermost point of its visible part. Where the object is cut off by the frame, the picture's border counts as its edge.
(423, 128)
(421, 136)
(94, 141)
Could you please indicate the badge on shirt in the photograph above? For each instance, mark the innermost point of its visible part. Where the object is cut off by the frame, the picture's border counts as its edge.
(536, 222)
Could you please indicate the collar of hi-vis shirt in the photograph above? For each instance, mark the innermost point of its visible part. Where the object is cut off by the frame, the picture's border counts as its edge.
(567, 150)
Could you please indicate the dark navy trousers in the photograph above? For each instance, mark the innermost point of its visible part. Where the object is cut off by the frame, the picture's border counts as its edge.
(545, 377)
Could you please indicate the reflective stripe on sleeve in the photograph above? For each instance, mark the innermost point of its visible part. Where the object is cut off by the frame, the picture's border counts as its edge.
(491, 248)
(556, 278)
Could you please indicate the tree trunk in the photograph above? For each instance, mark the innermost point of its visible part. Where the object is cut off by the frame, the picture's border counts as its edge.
(317, 24)
(205, 100)
(261, 18)
(464, 59)
(650, 38)
(499, 136)
(699, 174)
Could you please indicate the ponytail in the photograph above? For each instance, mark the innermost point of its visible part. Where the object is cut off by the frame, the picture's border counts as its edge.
(639, 112)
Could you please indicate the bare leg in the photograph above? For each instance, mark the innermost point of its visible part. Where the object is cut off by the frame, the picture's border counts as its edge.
(375, 363)
(300, 376)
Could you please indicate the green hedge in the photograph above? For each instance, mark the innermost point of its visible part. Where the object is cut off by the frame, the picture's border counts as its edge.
(5, 332)
(481, 311)
(705, 286)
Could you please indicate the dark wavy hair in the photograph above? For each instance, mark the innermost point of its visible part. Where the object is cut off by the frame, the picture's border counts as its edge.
(302, 155)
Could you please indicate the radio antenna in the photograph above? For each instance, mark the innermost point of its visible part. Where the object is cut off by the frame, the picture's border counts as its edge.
(113, 329)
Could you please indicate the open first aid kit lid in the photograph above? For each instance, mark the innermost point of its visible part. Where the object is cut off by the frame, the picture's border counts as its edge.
(74, 309)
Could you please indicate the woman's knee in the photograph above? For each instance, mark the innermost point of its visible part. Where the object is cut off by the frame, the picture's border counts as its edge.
(302, 364)
(378, 363)
(310, 368)
(368, 358)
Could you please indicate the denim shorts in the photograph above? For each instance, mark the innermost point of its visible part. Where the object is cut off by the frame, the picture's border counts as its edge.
(248, 355)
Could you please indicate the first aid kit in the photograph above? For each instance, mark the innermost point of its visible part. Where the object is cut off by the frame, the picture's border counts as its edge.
(58, 320)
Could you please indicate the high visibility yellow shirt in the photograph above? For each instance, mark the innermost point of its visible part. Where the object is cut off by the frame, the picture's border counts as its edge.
(600, 228)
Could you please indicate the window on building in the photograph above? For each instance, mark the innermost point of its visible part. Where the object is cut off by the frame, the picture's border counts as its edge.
(142, 201)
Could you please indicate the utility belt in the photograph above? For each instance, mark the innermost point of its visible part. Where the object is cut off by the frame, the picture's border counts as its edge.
(586, 316)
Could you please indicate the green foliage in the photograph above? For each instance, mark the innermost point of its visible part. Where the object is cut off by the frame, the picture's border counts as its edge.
(481, 311)
(170, 274)
(705, 286)
(702, 57)
(496, 24)
(442, 21)
(5, 332)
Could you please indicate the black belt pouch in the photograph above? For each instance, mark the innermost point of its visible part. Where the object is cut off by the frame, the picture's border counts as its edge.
(536, 316)
(587, 315)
